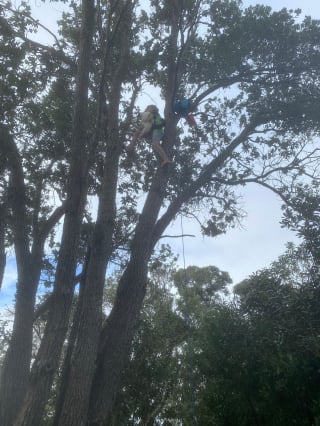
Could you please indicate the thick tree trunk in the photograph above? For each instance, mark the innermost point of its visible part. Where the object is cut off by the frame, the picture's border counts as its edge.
(117, 336)
(72, 338)
(46, 363)
(16, 367)
(118, 332)
(76, 398)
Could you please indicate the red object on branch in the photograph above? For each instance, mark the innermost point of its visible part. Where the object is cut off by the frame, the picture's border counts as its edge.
(191, 120)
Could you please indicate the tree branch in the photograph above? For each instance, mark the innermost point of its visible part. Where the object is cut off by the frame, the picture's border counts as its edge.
(46, 305)
(16, 12)
(51, 222)
(58, 54)
(205, 177)
(17, 195)
(241, 77)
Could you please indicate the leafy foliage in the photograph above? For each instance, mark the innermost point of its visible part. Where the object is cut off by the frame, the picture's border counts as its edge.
(261, 358)
(68, 110)
(251, 361)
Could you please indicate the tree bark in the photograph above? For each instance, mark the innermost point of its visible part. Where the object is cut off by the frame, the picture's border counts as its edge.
(72, 338)
(117, 336)
(118, 332)
(76, 398)
(46, 363)
(16, 367)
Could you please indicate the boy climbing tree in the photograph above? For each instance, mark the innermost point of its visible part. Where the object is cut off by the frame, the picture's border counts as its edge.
(152, 130)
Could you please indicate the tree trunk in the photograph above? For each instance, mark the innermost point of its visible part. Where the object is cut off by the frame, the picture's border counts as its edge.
(75, 405)
(76, 398)
(16, 367)
(117, 336)
(72, 338)
(118, 332)
(46, 363)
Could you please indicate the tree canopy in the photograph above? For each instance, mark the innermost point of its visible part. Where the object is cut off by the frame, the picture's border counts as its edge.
(73, 201)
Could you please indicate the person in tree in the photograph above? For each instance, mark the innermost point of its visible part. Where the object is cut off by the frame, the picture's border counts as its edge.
(184, 108)
(152, 130)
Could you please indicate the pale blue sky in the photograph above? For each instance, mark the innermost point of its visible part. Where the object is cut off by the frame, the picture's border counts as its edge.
(308, 7)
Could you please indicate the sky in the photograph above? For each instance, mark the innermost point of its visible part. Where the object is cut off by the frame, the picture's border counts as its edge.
(260, 239)
(241, 251)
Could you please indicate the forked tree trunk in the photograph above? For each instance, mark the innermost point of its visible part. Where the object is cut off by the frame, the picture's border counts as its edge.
(46, 363)
(118, 332)
(16, 366)
(77, 393)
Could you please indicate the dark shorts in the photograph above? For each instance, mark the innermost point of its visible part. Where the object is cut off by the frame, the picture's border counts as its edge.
(155, 135)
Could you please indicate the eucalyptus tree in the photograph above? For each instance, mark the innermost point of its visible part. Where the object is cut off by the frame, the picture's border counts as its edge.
(66, 112)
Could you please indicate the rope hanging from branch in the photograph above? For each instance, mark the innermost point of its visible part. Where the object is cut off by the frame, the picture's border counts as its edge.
(189, 340)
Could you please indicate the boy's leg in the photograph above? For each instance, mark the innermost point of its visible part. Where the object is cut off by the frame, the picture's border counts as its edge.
(161, 152)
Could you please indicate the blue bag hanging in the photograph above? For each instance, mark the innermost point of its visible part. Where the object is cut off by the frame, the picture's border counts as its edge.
(182, 107)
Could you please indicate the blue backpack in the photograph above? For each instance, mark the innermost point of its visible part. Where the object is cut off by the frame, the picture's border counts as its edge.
(182, 107)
